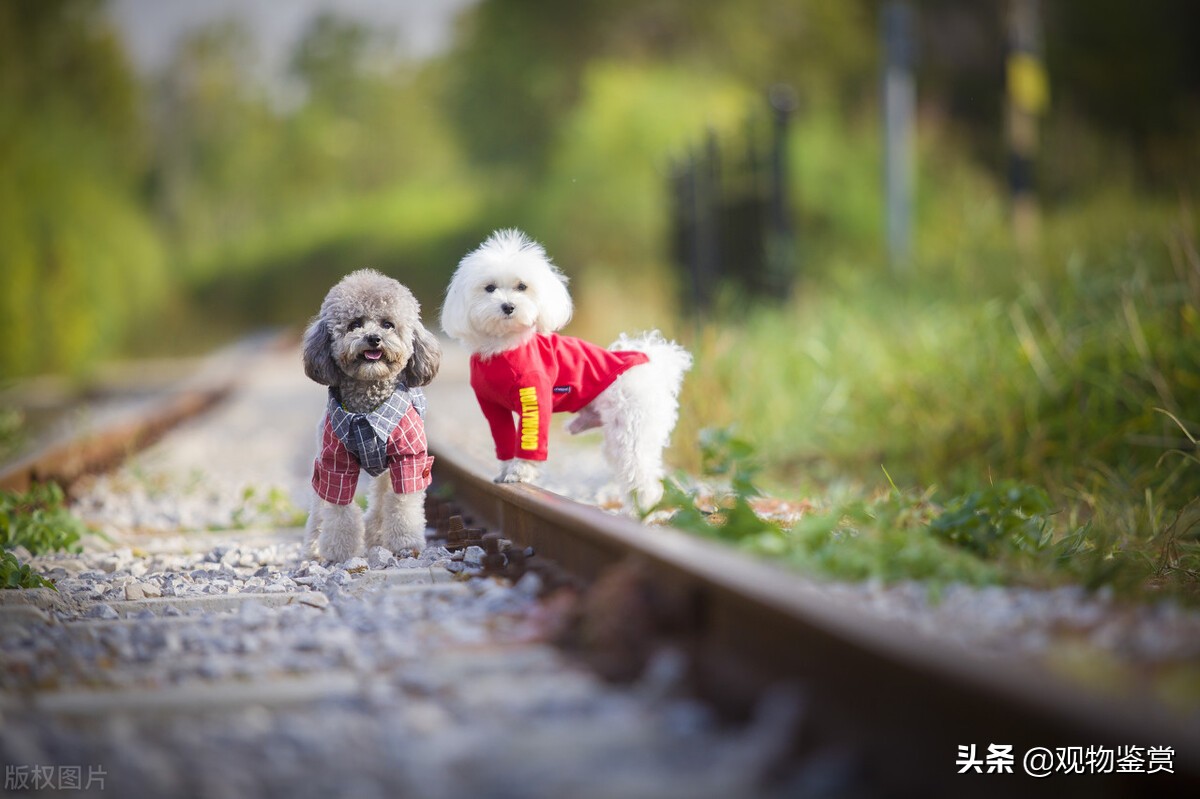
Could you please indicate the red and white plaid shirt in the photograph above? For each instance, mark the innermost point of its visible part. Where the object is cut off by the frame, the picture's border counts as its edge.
(391, 437)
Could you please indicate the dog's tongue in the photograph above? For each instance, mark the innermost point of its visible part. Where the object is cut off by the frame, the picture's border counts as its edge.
(373, 355)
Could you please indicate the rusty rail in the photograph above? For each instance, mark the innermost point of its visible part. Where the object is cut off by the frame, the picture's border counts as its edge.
(209, 381)
(905, 705)
(66, 461)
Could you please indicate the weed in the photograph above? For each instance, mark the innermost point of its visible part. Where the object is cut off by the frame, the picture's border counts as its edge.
(1007, 532)
(38, 520)
(14, 574)
(726, 514)
(884, 538)
(272, 507)
(1007, 517)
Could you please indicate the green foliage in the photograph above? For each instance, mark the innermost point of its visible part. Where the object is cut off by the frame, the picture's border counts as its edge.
(1006, 532)
(76, 250)
(886, 538)
(730, 516)
(14, 574)
(271, 507)
(38, 520)
(1006, 517)
(1077, 379)
(606, 170)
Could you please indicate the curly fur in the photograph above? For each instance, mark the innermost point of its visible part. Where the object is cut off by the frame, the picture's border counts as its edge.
(366, 338)
(506, 291)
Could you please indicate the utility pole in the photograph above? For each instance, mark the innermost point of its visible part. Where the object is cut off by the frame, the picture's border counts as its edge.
(1028, 98)
(899, 105)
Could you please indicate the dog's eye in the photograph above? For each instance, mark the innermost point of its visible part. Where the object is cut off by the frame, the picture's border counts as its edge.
(489, 288)
(386, 325)
(355, 325)
(521, 287)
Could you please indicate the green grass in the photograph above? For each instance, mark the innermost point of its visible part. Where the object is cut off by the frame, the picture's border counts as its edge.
(1036, 413)
(1002, 533)
(37, 520)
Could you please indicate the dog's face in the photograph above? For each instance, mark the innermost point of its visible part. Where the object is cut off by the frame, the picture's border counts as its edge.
(503, 292)
(369, 330)
(370, 346)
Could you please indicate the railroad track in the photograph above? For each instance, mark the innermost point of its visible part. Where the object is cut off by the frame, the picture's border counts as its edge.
(904, 706)
(900, 715)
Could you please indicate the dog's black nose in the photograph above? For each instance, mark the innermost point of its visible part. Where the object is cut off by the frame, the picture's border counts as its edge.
(508, 308)
(373, 340)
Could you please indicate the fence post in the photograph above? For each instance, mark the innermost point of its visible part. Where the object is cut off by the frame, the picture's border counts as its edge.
(781, 240)
(899, 101)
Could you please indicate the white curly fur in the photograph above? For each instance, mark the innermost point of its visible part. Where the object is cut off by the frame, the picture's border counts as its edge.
(637, 412)
(368, 312)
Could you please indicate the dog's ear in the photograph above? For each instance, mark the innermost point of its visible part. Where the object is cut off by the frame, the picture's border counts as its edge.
(554, 301)
(318, 360)
(426, 358)
(455, 313)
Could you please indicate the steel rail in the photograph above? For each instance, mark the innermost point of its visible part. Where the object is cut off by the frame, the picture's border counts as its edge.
(212, 380)
(66, 461)
(905, 704)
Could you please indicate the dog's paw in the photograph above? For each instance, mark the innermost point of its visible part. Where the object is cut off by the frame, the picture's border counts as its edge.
(338, 551)
(405, 544)
(517, 471)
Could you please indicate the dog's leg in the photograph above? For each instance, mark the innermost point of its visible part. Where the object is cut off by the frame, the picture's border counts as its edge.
(341, 536)
(377, 511)
(312, 528)
(638, 414)
(402, 528)
(635, 456)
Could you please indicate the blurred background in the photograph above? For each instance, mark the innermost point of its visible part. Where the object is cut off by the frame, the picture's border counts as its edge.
(957, 240)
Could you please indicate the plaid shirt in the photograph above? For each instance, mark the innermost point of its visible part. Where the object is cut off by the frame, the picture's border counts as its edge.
(391, 437)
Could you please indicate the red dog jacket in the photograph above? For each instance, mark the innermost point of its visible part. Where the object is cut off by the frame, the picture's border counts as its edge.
(549, 373)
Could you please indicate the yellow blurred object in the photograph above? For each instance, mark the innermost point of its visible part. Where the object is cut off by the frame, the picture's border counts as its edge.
(1028, 85)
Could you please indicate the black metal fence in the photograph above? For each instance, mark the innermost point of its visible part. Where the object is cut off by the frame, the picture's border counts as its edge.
(732, 226)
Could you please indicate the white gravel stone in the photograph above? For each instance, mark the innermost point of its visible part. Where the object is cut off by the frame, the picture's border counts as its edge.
(355, 565)
(314, 599)
(102, 611)
(380, 558)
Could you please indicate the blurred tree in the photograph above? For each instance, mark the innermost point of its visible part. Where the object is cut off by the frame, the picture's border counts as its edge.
(215, 137)
(517, 68)
(515, 72)
(78, 258)
(331, 59)
(57, 57)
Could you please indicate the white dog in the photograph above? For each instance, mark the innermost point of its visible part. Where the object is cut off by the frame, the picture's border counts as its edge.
(368, 345)
(504, 302)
